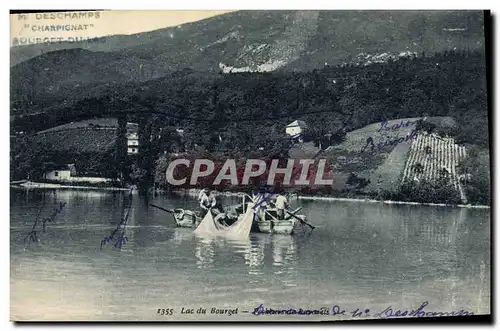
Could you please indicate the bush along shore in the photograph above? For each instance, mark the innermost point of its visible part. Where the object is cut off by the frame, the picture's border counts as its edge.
(194, 192)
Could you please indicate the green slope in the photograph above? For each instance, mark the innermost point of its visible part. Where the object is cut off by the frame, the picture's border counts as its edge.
(382, 167)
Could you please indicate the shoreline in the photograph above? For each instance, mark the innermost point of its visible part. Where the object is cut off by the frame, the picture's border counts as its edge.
(195, 192)
(390, 202)
(28, 185)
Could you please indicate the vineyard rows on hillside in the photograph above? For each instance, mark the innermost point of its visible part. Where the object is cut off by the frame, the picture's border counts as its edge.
(432, 158)
(83, 140)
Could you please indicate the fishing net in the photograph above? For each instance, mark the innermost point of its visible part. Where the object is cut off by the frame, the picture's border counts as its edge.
(240, 228)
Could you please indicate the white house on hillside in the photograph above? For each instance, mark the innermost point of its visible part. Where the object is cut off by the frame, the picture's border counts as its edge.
(296, 129)
(63, 172)
(132, 143)
(67, 173)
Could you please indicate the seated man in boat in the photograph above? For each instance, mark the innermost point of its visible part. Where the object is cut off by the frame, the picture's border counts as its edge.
(219, 213)
(209, 202)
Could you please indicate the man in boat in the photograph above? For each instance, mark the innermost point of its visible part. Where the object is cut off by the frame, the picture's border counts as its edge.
(209, 202)
(256, 195)
(214, 204)
(261, 203)
(218, 211)
(205, 203)
(203, 192)
(281, 203)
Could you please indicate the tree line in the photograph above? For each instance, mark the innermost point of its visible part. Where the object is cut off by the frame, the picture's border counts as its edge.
(241, 114)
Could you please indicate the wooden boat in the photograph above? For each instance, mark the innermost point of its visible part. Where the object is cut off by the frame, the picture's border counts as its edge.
(265, 220)
(271, 224)
(185, 218)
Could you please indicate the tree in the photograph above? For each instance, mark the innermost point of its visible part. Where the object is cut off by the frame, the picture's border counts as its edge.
(477, 164)
(29, 158)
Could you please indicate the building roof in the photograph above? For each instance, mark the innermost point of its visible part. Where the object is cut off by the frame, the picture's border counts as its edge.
(103, 123)
(51, 166)
(300, 123)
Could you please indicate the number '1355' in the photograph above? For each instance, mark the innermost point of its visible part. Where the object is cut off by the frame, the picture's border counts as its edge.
(168, 311)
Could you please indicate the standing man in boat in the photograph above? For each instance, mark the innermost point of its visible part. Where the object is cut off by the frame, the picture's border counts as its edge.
(202, 193)
(214, 204)
(260, 199)
(281, 203)
(256, 195)
(205, 203)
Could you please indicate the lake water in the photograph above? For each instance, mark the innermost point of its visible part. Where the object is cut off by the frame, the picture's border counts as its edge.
(361, 255)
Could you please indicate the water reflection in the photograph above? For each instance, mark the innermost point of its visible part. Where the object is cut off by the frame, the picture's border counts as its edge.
(432, 227)
(285, 259)
(205, 252)
(182, 234)
(483, 296)
(369, 253)
(281, 250)
(255, 255)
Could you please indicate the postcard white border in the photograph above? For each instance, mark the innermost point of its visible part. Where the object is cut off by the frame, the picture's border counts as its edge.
(193, 5)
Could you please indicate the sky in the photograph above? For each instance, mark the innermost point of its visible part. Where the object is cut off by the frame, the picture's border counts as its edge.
(104, 23)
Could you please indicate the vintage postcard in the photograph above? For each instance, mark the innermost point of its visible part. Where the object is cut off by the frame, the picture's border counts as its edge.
(250, 166)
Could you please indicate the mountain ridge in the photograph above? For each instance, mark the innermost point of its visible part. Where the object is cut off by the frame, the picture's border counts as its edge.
(243, 41)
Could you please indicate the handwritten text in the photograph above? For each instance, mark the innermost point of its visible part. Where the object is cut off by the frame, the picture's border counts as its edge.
(32, 235)
(389, 142)
(337, 310)
(118, 233)
(384, 126)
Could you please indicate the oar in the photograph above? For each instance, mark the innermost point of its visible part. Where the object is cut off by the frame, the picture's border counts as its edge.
(164, 209)
(296, 210)
(300, 219)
